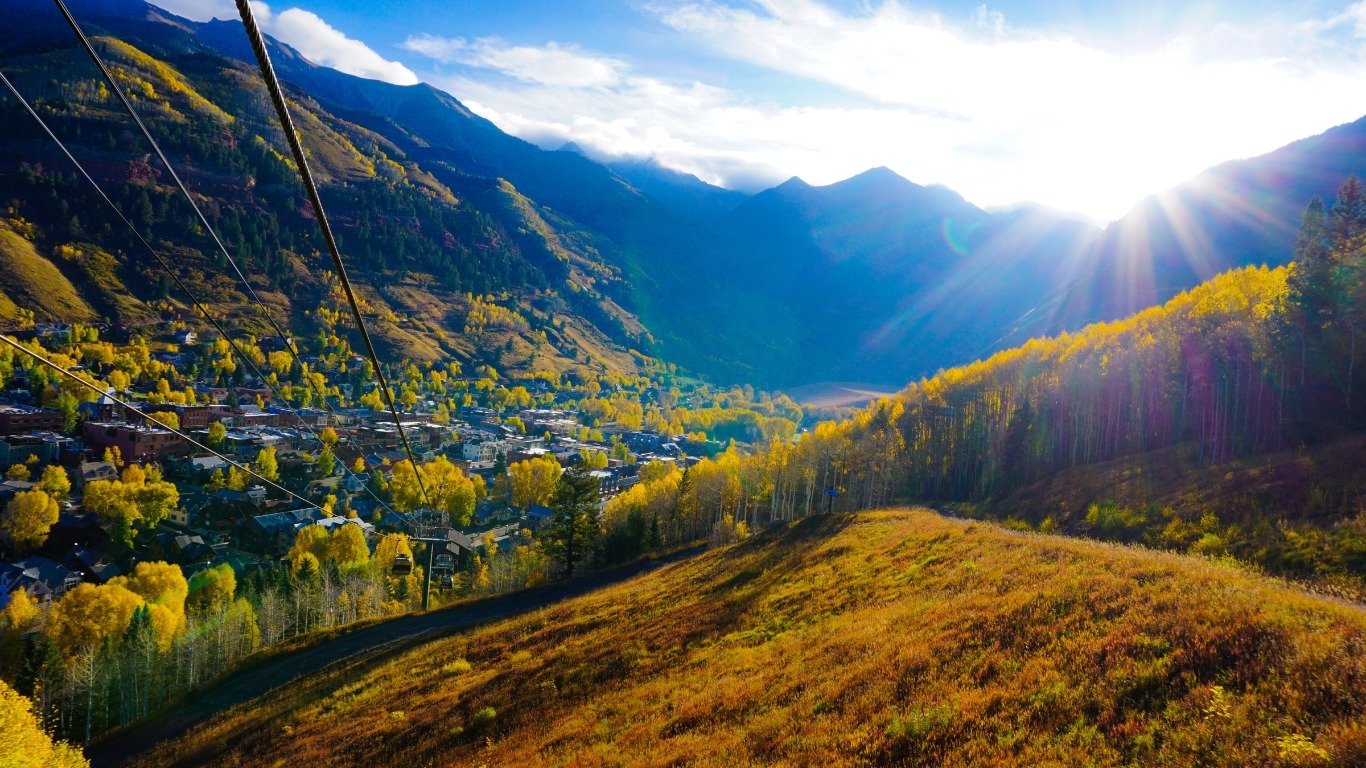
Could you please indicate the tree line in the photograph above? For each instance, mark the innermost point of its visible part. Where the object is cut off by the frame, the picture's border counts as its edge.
(1254, 361)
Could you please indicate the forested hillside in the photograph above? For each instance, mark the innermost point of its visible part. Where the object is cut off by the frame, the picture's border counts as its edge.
(453, 263)
(1234, 373)
(1238, 213)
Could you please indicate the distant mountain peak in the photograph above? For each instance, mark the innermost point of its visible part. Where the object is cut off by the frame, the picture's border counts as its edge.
(880, 173)
(570, 146)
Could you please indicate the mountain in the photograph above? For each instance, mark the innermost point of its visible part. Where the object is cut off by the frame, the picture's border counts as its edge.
(896, 280)
(433, 237)
(683, 192)
(872, 279)
(1239, 213)
(633, 255)
(885, 638)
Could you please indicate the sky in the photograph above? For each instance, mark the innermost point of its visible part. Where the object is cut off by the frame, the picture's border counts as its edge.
(1081, 106)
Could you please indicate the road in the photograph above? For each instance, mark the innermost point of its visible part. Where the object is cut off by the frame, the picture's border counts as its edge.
(369, 642)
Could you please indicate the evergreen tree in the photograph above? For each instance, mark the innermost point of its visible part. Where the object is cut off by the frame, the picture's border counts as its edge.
(573, 528)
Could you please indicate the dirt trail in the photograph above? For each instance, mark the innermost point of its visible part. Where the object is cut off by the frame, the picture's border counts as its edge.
(370, 642)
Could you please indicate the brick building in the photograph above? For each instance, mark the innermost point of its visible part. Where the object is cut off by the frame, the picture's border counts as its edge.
(20, 419)
(135, 442)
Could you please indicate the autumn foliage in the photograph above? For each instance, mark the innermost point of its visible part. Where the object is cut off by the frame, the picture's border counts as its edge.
(885, 638)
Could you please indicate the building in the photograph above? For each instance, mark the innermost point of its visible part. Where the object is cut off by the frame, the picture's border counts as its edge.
(94, 470)
(332, 523)
(194, 416)
(46, 448)
(136, 442)
(22, 419)
(273, 534)
(487, 450)
(104, 409)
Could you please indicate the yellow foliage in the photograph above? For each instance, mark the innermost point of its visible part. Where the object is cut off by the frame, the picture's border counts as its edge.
(24, 744)
(88, 614)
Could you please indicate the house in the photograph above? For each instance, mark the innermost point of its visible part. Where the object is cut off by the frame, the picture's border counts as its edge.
(14, 578)
(252, 494)
(274, 533)
(487, 450)
(332, 523)
(94, 470)
(10, 488)
(205, 465)
(55, 576)
(180, 548)
(538, 516)
(75, 530)
(104, 409)
(270, 344)
(93, 565)
(186, 337)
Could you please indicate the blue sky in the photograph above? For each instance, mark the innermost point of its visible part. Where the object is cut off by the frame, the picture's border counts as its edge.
(1080, 106)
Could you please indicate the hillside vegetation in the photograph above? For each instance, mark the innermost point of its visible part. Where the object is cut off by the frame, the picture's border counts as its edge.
(431, 255)
(893, 637)
(28, 280)
(1255, 367)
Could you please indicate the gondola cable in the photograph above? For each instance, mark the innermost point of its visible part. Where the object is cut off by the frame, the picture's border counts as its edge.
(162, 261)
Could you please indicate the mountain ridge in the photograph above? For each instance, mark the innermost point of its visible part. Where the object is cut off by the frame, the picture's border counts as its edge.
(873, 278)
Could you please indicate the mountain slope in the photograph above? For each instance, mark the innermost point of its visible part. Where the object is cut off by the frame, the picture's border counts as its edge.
(1239, 213)
(885, 638)
(30, 281)
(421, 251)
(896, 280)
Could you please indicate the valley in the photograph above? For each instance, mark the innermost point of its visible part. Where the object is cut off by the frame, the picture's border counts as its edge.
(417, 442)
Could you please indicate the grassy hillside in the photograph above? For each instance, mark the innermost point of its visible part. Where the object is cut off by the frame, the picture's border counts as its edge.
(893, 637)
(30, 281)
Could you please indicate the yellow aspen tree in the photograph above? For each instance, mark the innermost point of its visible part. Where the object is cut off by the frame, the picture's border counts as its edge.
(24, 743)
(27, 519)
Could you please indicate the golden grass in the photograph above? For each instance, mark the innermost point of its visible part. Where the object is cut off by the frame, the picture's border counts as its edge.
(887, 638)
(34, 282)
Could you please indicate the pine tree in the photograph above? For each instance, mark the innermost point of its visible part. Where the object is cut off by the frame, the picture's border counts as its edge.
(573, 526)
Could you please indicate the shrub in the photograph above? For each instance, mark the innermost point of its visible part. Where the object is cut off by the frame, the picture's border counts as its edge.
(484, 718)
(457, 667)
(919, 725)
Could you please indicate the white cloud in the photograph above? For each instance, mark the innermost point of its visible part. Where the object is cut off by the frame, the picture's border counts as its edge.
(1061, 121)
(999, 113)
(322, 43)
(553, 64)
(317, 40)
(200, 10)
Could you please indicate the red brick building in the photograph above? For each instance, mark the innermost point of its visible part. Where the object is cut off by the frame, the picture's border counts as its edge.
(20, 420)
(135, 442)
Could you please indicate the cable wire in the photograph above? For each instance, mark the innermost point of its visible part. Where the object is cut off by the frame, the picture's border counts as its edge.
(317, 204)
(258, 46)
(167, 267)
(186, 438)
(251, 292)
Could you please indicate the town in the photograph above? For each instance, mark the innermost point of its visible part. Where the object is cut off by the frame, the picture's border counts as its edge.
(330, 460)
